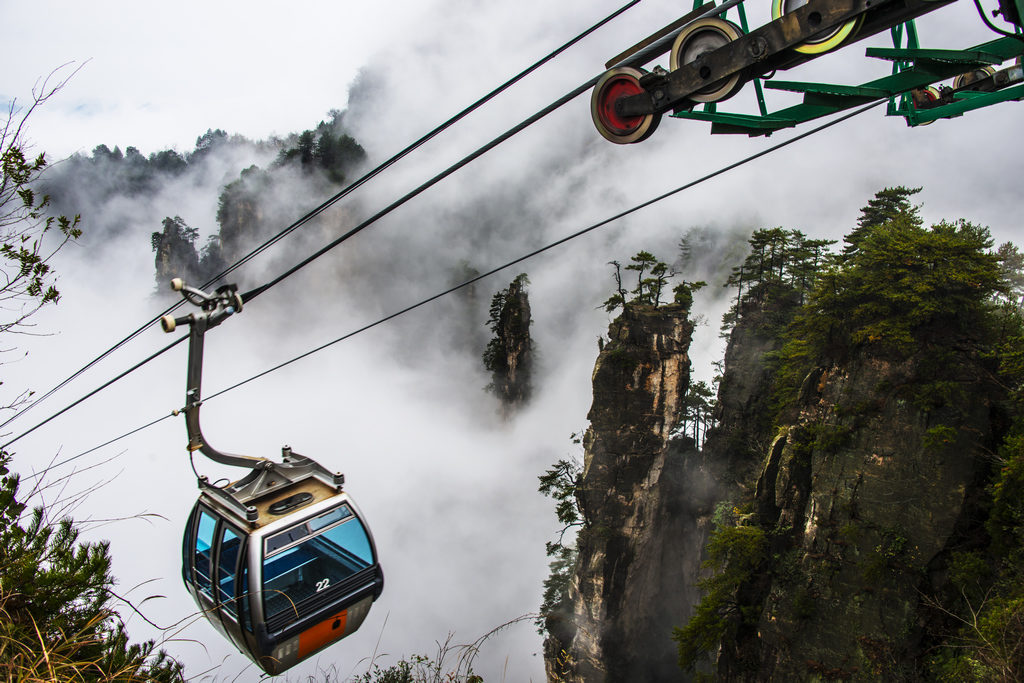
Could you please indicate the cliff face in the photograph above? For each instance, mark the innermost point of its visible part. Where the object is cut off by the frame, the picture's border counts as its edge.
(863, 493)
(735, 447)
(629, 586)
(855, 514)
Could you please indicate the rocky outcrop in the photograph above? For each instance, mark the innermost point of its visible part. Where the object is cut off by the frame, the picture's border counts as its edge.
(175, 252)
(630, 585)
(509, 355)
(736, 445)
(241, 213)
(861, 495)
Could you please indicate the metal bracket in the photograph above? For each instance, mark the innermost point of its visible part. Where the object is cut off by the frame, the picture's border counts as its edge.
(214, 309)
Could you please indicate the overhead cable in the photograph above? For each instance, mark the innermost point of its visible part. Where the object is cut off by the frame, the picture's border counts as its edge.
(509, 264)
(97, 389)
(344, 192)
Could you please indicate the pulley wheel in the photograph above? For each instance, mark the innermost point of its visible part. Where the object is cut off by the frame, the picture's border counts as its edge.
(698, 39)
(819, 42)
(920, 96)
(972, 77)
(613, 85)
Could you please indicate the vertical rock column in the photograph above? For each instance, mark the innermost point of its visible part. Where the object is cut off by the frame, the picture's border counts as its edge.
(631, 579)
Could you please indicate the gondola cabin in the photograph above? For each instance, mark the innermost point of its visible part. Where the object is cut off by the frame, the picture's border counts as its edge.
(280, 561)
(282, 568)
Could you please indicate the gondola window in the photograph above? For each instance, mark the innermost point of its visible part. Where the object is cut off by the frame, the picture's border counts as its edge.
(229, 545)
(311, 558)
(204, 544)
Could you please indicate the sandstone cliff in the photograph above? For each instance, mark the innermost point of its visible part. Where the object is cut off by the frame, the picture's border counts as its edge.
(629, 586)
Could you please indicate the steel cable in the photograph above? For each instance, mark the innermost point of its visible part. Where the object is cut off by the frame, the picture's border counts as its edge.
(344, 192)
(509, 264)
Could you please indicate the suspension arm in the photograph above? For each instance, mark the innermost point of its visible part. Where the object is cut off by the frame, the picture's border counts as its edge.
(215, 309)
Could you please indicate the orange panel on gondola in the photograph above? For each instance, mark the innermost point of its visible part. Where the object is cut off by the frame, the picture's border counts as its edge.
(327, 631)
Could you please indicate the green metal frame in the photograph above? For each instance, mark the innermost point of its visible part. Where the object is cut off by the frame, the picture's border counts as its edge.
(913, 68)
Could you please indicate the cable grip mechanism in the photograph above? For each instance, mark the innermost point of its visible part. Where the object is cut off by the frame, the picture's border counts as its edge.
(223, 302)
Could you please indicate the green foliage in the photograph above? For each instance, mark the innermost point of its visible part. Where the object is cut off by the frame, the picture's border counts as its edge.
(652, 277)
(698, 411)
(903, 287)
(828, 438)
(554, 604)
(1005, 523)
(56, 617)
(939, 436)
(682, 294)
(901, 290)
(987, 600)
(29, 237)
(734, 554)
(324, 149)
(782, 267)
(423, 669)
(561, 482)
(888, 204)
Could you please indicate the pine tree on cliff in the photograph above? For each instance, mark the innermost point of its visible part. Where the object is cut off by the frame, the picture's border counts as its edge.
(648, 290)
(888, 204)
(509, 354)
(778, 273)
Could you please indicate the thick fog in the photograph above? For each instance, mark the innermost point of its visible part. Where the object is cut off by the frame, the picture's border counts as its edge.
(449, 488)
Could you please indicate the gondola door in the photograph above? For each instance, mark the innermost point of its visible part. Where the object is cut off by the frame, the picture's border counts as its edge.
(214, 553)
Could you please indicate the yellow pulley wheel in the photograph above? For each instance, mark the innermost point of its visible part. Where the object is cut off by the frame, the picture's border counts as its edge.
(696, 40)
(972, 77)
(819, 42)
(612, 86)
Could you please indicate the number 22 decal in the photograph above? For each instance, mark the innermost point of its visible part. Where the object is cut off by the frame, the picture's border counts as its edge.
(322, 584)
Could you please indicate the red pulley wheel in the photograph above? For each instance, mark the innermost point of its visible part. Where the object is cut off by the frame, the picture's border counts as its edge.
(612, 86)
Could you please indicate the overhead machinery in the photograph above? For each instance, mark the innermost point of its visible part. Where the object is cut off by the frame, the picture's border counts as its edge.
(711, 58)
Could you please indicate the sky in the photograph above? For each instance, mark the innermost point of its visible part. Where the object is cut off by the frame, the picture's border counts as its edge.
(448, 487)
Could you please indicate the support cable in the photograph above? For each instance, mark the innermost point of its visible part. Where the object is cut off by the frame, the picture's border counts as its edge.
(333, 200)
(253, 293)
(467, 283)
(98, 389)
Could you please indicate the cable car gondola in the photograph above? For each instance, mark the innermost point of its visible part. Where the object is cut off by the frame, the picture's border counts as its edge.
(281, 561)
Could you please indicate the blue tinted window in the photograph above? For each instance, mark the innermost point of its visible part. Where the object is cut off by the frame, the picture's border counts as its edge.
(230, 542)
(315, 565)
(350, 538)
(204, 543)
